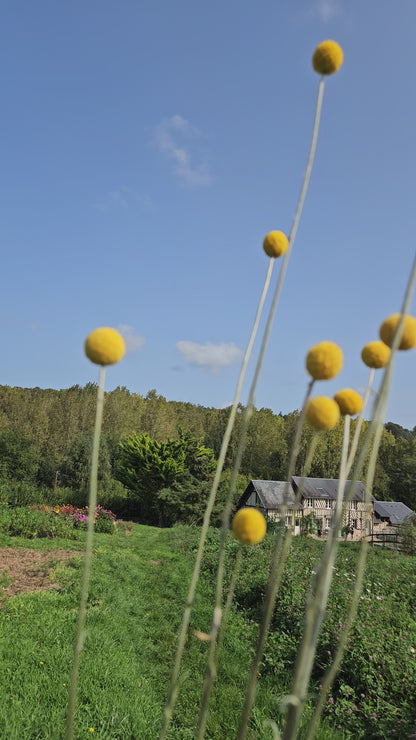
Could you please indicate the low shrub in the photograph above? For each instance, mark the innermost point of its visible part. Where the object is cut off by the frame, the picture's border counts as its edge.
(53, 521)
(30, 523)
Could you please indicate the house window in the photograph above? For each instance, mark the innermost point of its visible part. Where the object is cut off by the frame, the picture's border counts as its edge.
(309, 503)
(354, 505)
(328, 504)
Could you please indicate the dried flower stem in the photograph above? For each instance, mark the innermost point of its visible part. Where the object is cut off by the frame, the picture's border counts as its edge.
(86, 570)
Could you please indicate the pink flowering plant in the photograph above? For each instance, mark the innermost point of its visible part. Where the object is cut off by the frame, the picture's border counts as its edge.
(104, 519)
(54, 521)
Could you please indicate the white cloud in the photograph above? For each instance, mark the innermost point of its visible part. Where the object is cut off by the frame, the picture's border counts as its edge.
(327, 9)
(133, 341)
(212, 356)
(175, 138)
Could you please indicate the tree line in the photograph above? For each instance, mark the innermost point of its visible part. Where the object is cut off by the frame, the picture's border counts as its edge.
(45, 441)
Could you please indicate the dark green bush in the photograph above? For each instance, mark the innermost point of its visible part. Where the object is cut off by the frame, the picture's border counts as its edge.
(21, 493)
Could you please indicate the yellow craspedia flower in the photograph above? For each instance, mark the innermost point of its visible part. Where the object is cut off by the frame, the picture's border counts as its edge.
(275, 243)
(324, 360)
(327, 57)
(249, 526)
(349, 402)
(375, 354)
(322, 413)
(105, 346)
(389, 326)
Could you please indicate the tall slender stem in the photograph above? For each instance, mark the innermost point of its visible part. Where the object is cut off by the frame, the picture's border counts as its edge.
(277, 565)
(269, 323)
(215, 646)
(172, 691)
(227, 435)
(316, 607)
(360, 420)
(373, 436)
(86, 570)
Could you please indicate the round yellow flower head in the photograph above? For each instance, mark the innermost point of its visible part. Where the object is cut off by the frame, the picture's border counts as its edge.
(105, 346)
(324, 361)
(322, 413)
(249, 526)
(375, 354)
(388, 329)
(349, 402)
(327, 58)
(275, 243)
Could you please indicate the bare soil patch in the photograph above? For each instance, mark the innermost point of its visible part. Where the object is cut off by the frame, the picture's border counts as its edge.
(29, 570)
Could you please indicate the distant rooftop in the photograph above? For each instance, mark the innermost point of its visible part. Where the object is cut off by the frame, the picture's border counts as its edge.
(271, 493)
(327, 488)
(395, 511)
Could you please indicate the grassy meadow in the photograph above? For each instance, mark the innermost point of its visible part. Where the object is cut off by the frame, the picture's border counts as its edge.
(137, 594)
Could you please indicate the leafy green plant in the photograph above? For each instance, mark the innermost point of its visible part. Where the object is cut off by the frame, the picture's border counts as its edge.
(408, 536)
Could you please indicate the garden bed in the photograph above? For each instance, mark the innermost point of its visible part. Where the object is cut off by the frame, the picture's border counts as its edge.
(23, 571)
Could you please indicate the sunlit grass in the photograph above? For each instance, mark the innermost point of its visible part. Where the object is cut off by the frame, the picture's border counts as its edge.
(138, 584)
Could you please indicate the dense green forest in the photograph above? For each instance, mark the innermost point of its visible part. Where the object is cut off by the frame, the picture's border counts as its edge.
(45, 443)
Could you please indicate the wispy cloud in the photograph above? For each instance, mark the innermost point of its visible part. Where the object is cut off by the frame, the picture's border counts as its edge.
(327, 9)
(123, 198)
(212, 356)
(175, 138)
(133, 341)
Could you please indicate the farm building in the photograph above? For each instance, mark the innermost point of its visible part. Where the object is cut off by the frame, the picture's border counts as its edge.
(390, 514)
(312, 498)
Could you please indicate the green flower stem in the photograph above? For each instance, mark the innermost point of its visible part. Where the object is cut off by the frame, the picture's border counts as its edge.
(374, 434)
(333, 669)
(274, 728)
(228, 603)
(86, 570)
(227, 435)
(316, 607)
(381, 399)
(285, 262)
(354, 444)
(172, 691)
(278, 562)
(250, 405)
(308, 462)
(215, 646)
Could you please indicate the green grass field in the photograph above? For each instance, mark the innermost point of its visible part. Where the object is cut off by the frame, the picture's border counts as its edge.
(137, 595)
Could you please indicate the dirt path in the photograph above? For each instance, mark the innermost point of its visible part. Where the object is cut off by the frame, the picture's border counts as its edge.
(29, 570)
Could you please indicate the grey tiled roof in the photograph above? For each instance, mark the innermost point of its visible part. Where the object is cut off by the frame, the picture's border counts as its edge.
(271, 493)
(395, 511)
(327, 488)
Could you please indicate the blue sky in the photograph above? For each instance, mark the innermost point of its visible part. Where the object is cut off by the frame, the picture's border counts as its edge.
(146, 150)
